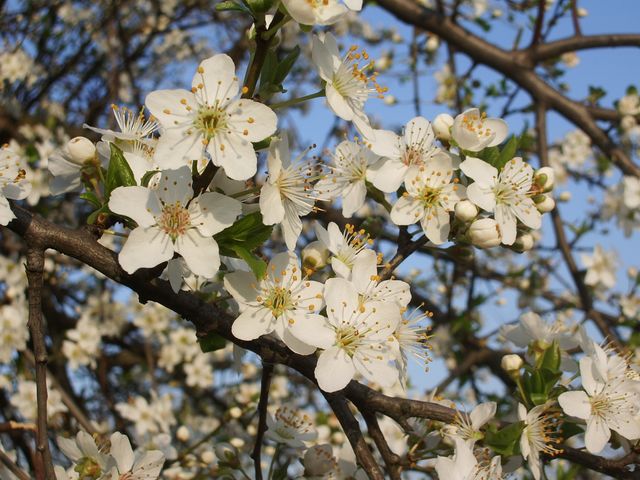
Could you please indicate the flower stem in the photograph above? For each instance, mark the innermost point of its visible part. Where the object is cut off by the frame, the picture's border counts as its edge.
(295, 101)
(245, 192)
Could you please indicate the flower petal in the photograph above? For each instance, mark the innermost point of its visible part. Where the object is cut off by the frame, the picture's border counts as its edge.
(252, 120)
(252, 323)
(313, 329)
(241, 286)
(334, 370)
(200, 252)
(215, 80)
(213, 212)
(145, 248)
(141, 204)
(597, 434)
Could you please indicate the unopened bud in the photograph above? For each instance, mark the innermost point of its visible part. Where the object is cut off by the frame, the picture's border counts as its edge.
(314, 256)
(318, 461)
(484, 233)
(80, 150)
(524, 242)
(442, 126)
(466, 211)
(511, 362)
(432, 43)
(227, 454)
(208, 457)
(545, 178)
(564, 196)
(390, 100)
(545, 204)
(183, 434)
(582, 12)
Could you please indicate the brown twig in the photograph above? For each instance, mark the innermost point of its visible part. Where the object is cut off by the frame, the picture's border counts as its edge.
(12, 467)
(391, 460)
(35, 269)
(537, 29)
(352, 429)
(263, 403)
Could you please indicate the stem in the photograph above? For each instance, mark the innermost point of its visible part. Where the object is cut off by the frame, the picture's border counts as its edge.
(295, 101)
(35, 269)
(267, 374)
(245, 192)
(259, 56)
(273, 461)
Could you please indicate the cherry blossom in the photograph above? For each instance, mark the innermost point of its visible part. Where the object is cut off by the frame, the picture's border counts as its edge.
(13, 182)
(473, 131)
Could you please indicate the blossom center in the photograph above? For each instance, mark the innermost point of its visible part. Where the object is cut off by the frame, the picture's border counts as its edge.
(88, 468)
(278, 301)
(348, 338)
(210, 120)
(175, 220)
(413, 156)
(475, 124)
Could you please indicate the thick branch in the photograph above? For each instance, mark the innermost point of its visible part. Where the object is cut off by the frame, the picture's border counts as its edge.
(35, 269)
(208, 318)
(551, 50)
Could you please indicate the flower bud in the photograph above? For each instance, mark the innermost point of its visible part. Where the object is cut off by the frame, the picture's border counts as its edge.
(544, 203)
(524, 242)
(442, 126)
(80, 150)
(318, 461)
(511, 362)
(183, 434)
(314, 256)
(484, 233)
(565, 196)
(227, 454)
(545, 178)
(432, 43)
(466, 211)
(208, 457)
(390, 100)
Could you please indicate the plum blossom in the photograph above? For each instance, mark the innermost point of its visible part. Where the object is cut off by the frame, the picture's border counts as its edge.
(506, 193)
(467, 426)
(84, 453)
(431, 194)
(601, 267)
(319, 12)
(347, 176)
(355, 337)
(134, 127)
(411, 337)
(287, 194)
(403, 154)
(347, 84)
(290, 427)
(210, 120)
(473, 131)
(276, 302)
(539, 433)
(609, 401)
(130, 465)
(170, 220)
(345, 247)
(13, 182)
(465, 466)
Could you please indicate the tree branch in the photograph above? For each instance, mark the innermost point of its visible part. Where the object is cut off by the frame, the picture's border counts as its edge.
(263, 403)
(35, 269)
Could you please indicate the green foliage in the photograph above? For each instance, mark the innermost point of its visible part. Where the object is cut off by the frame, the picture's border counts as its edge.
(275, 71)
(498, 157)
(233, 5)
(119, 172)
(211, 343)
(146, 178)
(242, 238)
(505, 441)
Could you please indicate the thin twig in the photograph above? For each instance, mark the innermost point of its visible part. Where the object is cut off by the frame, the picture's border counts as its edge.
(12, 467)
(267, 374)
(391, 460)
(35, 269)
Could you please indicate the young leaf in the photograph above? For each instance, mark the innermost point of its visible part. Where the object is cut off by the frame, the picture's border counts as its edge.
(506, 440)
(285, 66)
(507, 153)
(119, 172)
(257, 265)
(211, 343)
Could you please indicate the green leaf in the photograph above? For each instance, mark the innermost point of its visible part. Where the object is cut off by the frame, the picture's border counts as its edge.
(249, 232)
(507, 153)
(146, 178)
(285, 66)
(119, 172)
(212, 342)
(506, 440)
(550, 359)
(231, 5)
(91, 197)
(256, 264)
(489, 155)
